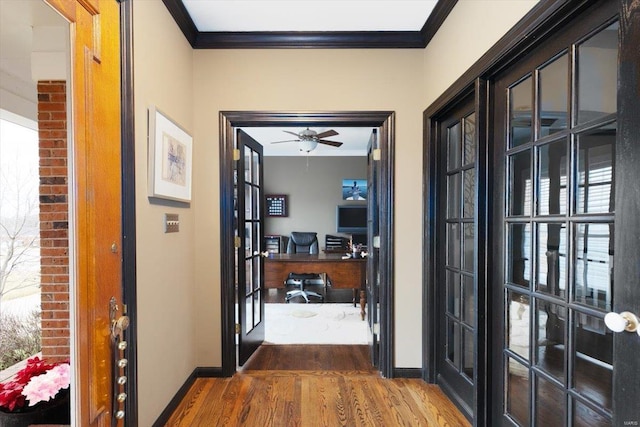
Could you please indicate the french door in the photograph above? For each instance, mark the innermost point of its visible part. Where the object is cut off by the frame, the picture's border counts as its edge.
(455, 268)
(373, 248)
(560, 257)
(250, 235)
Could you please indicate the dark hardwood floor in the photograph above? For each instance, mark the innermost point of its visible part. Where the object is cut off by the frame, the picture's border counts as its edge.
(313, 386)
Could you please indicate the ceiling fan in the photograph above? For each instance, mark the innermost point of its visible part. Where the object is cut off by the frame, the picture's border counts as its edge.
(309, 139)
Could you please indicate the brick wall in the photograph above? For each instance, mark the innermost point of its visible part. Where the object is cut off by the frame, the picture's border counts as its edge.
(54, 219)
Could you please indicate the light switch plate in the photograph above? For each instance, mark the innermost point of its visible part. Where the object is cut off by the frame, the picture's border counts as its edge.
(171, 223)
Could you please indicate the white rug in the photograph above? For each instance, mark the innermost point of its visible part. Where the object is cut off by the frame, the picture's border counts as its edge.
(329, 323)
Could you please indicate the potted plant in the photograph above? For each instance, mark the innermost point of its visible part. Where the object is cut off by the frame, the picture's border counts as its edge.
(37, 394)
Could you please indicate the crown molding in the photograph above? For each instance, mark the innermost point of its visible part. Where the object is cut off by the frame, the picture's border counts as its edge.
(307, 40)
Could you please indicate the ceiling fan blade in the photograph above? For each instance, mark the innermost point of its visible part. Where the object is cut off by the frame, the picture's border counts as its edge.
(333, 143)
(288, 140)
(292, 133)
(326, 134)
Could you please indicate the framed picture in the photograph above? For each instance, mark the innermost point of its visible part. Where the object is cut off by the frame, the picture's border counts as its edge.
(354, 189)
(170, 158)
(276, 205)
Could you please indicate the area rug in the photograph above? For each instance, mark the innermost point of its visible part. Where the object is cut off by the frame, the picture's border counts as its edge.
(329, 323)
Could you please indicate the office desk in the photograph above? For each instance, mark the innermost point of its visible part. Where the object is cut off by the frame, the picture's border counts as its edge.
(342, 273)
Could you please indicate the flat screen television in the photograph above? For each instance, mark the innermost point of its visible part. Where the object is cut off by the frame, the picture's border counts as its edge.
(351, 219)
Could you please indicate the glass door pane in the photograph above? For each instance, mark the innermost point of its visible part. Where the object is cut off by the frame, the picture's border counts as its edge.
(559, 234)
(456, 263)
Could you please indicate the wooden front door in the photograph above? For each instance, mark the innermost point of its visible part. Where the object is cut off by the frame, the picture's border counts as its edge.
(95, 189)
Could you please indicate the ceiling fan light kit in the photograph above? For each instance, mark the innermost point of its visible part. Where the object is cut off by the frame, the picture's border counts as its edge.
(309, 139)
(307, 145)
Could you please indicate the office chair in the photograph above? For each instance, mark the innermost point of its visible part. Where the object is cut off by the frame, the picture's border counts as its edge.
(303, 242)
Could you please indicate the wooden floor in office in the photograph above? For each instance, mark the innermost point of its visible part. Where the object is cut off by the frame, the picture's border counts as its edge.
(313, 386)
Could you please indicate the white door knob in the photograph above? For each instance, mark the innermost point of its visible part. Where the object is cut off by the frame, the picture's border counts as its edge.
(624, 321)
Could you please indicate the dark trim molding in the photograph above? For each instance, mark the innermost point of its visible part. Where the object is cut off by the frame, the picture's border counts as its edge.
(229, 120)
(436, 19)
(407, 373)
(309, 39)
(208, 372)
(129, 207)
(200, 372)
(482, 373)
(182, 18)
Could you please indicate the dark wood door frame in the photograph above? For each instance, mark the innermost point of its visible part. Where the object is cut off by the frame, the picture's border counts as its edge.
(385, 122)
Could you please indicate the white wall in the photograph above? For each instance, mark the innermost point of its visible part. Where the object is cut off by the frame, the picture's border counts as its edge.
(314, 189)
(163, 67)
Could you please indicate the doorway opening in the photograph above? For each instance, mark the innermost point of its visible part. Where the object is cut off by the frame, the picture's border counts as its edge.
(378, 293)
(307, 187)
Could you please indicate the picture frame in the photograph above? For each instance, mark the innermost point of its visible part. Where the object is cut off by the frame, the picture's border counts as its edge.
(276, 205)
(354, 189)
(170, 160)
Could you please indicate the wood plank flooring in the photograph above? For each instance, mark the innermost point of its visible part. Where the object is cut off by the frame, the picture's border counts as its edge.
(313, 386)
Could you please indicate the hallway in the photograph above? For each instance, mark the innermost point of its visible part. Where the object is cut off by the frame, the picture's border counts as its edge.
(313, 385)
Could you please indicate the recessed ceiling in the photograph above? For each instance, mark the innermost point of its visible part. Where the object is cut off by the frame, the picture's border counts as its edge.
(329, 24)
(309, 15)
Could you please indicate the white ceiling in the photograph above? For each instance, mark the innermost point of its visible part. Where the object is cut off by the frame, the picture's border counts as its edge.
(309, 15)
(354, 139)
(17, 20)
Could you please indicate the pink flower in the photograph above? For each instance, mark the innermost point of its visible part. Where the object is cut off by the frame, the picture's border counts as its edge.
(43, 388)
(45, 380)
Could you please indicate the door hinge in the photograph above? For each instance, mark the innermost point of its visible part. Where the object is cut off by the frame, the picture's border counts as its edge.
(238, 328)
(377, 153)
(376, 242)
(236, 154)
(236, 242)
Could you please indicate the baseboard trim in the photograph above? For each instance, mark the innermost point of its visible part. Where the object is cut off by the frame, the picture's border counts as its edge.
(200, 372)
(208, 372)
(407, 373)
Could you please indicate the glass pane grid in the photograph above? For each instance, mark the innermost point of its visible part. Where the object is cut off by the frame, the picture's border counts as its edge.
(592, 361)
(518, 339)
(596, 79)
(519, 184)
(593, 265)
(551, 258)
(454, 149)
(570, 256)
(552, 178)
(519, 254)
(469, 140)
(550, 350)
(520, 98)
(517, 392)
(553, 87)
(550, 403)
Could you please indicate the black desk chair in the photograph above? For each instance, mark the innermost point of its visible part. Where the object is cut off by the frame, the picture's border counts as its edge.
(303, 242)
